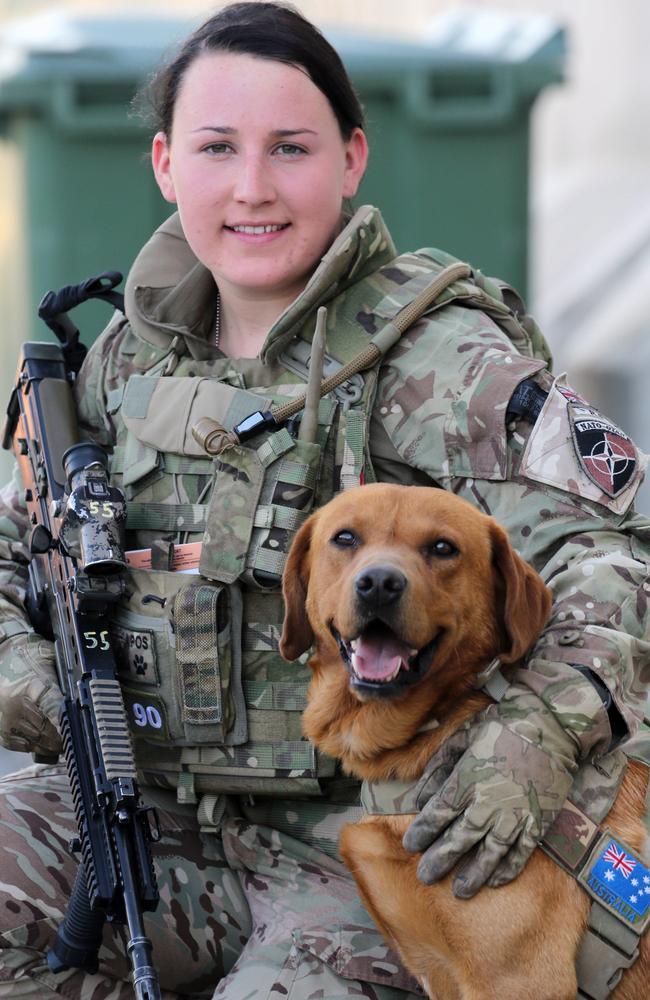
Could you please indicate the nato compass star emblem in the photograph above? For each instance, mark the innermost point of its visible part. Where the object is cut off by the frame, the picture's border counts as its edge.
(606, 453)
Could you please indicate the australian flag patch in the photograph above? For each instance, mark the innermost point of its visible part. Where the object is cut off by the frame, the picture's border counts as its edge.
(619, 880)
(606, 453)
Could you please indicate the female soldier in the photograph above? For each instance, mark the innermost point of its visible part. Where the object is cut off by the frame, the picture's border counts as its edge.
(260, 143)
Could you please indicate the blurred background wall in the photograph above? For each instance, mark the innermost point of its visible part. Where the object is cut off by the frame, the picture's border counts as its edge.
(589, 202)
(589, 196)
(589, 236)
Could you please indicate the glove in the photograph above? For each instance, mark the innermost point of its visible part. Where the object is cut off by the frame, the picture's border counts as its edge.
(30, 696)
(493, 789)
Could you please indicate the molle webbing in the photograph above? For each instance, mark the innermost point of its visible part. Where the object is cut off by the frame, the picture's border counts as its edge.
(271, 516)
(165, 517)
(177, 464)
(275, 696)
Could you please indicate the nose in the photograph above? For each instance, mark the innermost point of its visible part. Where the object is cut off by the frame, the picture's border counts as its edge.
(379, 586)
(254, 184)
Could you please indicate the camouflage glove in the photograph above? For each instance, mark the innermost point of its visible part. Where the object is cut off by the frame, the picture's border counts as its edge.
(30, 696)
(496, 786)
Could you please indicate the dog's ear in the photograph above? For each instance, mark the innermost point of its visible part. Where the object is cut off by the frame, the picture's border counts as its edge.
(297, 635)
(523, 599)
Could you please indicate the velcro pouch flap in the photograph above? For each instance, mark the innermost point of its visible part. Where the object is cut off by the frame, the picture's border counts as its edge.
(231, 514)
(208, 658)
(160, 412)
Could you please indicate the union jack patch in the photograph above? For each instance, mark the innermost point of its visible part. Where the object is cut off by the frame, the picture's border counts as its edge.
(616, 877)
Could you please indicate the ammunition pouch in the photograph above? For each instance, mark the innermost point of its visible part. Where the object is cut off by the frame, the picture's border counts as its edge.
(212, 705)
(180, 659)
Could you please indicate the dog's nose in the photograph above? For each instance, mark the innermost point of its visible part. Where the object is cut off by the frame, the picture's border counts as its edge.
(380, 585)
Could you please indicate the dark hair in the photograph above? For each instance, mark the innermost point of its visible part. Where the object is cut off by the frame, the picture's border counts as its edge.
(268, 30)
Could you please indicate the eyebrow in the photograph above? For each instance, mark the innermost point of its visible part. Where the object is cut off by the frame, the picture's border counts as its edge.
(277, 133)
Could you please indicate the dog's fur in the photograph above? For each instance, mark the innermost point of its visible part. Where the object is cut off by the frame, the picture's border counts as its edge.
(480, 600)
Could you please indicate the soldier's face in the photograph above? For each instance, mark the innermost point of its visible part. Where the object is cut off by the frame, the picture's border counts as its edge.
(258, 168)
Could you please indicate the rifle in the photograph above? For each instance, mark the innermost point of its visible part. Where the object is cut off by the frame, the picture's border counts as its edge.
(75, 579)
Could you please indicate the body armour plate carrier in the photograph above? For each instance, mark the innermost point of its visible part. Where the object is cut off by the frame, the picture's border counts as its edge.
(213, 706)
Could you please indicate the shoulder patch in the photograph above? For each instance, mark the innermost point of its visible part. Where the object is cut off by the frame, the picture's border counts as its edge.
(575, 448)
(605, 452)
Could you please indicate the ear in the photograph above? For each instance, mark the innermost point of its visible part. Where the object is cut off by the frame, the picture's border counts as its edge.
(524, 600)
(161, 163)
(356, 160)
(297, 635)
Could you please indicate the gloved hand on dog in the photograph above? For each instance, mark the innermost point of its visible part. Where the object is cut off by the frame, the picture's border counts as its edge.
(30, 695)
(494, 788)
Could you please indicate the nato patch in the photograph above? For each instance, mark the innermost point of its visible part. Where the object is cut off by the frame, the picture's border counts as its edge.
(620, 882)
(606, 453)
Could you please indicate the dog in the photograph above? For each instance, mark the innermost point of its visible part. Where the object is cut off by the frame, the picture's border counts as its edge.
(406, 594)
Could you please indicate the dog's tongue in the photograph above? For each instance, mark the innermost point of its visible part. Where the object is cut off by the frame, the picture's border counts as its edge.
(377, 656)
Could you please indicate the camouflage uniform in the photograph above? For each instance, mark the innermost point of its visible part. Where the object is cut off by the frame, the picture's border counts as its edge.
(255, 902)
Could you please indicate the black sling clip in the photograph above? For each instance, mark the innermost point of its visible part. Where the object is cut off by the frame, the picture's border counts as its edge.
(54, 307)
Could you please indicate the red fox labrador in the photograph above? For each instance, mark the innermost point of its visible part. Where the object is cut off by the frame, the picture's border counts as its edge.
(456, 596)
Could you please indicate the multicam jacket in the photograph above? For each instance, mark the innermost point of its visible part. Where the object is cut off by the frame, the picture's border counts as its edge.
(464, 400)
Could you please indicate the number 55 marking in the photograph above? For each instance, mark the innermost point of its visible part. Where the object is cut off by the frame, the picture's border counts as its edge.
(94, 640)
(107, 510)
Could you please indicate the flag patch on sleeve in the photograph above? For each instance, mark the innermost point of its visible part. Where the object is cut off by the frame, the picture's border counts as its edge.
(619, 880)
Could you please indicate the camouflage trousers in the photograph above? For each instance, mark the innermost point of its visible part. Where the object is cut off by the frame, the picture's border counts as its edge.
(248, 913)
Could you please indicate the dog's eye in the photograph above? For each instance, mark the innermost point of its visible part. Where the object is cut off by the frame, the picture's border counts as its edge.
(442, 549)
(345, 539)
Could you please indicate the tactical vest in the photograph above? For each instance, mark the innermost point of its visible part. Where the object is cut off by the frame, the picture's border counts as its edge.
(213, 707)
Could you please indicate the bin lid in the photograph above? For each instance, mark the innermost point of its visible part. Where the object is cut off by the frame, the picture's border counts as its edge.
(42, 56)
(472, 67)
(60, 42)
(533, 44)
(59, 45)
(481, 33)
(527, 48)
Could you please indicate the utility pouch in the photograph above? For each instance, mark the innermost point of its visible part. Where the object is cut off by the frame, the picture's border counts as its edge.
(180, 660)
(206, 618)
(239, 476)
(160, 412)
(285, 504)
(158, 415)
(260, 499)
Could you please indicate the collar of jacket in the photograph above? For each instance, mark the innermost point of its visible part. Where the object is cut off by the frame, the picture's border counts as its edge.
(169, 293)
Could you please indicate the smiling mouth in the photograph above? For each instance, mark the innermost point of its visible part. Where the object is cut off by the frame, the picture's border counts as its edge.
(380, 664)
(259, 230)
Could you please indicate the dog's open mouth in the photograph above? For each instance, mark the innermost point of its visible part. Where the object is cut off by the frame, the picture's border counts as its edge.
(380, 663)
